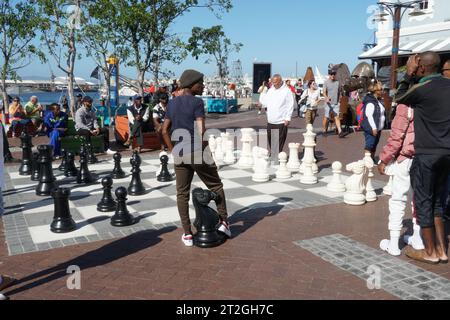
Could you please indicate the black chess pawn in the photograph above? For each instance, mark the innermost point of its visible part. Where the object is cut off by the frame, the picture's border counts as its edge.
(136, 187)
(84, 175)
(118, 173)
(107, 204)
(92, 159)
(122, 217)
(46, 178)
(164, 175)
(206, 220)
(70, 168)
(27, 154)
(35, 167)
(62, 166)
(62, 219)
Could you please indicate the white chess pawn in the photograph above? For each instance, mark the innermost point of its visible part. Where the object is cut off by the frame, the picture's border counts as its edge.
(336, 184)
(371, 195)
(262, 167)
(354, 185)
(283, 172)
(293, 164)
(219, 152)
(229, 153)
(308, 176)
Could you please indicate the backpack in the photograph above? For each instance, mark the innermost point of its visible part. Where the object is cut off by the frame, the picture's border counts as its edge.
(360, 114)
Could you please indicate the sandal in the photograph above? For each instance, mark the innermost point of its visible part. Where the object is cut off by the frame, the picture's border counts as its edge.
(418, 256)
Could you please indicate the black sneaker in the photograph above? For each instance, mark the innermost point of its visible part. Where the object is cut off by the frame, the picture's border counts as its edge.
(342, 135)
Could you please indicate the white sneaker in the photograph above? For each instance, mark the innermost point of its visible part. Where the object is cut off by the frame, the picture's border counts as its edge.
(188, 240)
(385, 245)
(259, 113)
(109, 151)
(225, 229)
(414, 241)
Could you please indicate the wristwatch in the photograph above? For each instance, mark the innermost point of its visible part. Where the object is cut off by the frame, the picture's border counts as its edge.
(379, 162)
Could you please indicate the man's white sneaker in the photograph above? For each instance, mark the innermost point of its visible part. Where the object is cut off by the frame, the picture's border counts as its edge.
(385, 245)
(414, 241)
(225, 229)
(109, 151)
(188, 240)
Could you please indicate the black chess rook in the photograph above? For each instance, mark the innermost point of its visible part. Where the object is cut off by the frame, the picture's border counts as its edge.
(206, 220)
(27, 154)
(62, 219)
(118, 173)
(164, 175)
(46, 178)
(122, 217)
(107, 204)
(136, 187)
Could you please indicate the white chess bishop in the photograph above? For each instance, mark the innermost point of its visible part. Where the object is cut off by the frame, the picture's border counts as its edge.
(262, 166)
(355, 184)
(283, 172)
(309, 146)
(246, 157)
(336, 184)
(293, 164)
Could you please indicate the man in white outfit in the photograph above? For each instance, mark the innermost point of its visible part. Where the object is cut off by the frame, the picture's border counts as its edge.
(280, 103)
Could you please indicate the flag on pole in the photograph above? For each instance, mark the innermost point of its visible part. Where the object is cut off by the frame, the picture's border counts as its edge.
(95, 74)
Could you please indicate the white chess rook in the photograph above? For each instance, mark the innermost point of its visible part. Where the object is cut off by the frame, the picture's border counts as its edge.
(371, 195)
(336, 184)
(293, 164)
(246, 157)
(283, 172)
(355, 184)
(262, 166)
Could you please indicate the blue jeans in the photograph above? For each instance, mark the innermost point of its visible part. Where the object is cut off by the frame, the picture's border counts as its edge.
(22, 122)
(445, 197)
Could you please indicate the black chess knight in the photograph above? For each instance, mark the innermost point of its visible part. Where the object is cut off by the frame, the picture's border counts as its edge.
(206, 220)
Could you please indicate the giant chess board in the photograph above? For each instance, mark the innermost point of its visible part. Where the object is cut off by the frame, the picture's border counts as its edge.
(28, 217)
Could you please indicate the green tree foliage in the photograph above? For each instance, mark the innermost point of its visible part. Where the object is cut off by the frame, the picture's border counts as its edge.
(19, 23)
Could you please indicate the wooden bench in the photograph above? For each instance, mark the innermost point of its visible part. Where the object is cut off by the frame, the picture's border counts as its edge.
(122, 133)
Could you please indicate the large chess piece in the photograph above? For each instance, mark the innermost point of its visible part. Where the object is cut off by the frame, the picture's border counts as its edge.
(164, 175)
(371, 195)
(206, 221)
(212, 146)
(229, 153)
(246, 158)
(107, 204)
(283, 172)
(336, 184)
(118, 173)
(309, 146)
(70, 169)
(293, 164)
(62, 166)
(92, 159)
(136, 188)
(84, 175)
(308, 176)
(46, 178)
(62, 219)
(27, 154)
(355, 184)
(262, 166)
(122, 217)
(219, 155)
(35, 167)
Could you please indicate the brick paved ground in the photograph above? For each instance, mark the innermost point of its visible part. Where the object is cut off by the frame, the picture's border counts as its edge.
(262, 261)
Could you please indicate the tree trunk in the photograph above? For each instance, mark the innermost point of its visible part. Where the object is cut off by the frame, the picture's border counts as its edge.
(141, 80)
(71, 61)
(108, 95)
(4, 98)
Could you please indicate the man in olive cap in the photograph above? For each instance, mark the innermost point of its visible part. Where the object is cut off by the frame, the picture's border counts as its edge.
(186, 113)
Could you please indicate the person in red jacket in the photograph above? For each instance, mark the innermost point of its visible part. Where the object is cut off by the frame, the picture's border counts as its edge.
(398, 154)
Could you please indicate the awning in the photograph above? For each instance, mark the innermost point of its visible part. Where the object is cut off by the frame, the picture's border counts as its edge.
(407, 48)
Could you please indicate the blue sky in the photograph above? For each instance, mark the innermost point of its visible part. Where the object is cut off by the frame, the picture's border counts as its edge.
(282, 32)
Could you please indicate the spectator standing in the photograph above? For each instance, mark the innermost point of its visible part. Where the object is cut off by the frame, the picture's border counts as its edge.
(331, 91)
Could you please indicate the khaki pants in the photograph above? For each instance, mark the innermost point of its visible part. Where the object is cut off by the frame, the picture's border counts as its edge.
(310, 116)
(210, 177)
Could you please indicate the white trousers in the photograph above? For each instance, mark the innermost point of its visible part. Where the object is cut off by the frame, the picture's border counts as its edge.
(401, 186)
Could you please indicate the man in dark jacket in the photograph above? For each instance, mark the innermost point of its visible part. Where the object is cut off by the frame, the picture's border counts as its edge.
(431, 165)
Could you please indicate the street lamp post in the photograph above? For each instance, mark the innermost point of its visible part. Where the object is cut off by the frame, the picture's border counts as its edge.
(397, 10)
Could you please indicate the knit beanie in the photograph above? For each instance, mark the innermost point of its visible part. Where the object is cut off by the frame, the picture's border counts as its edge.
(189, 78)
